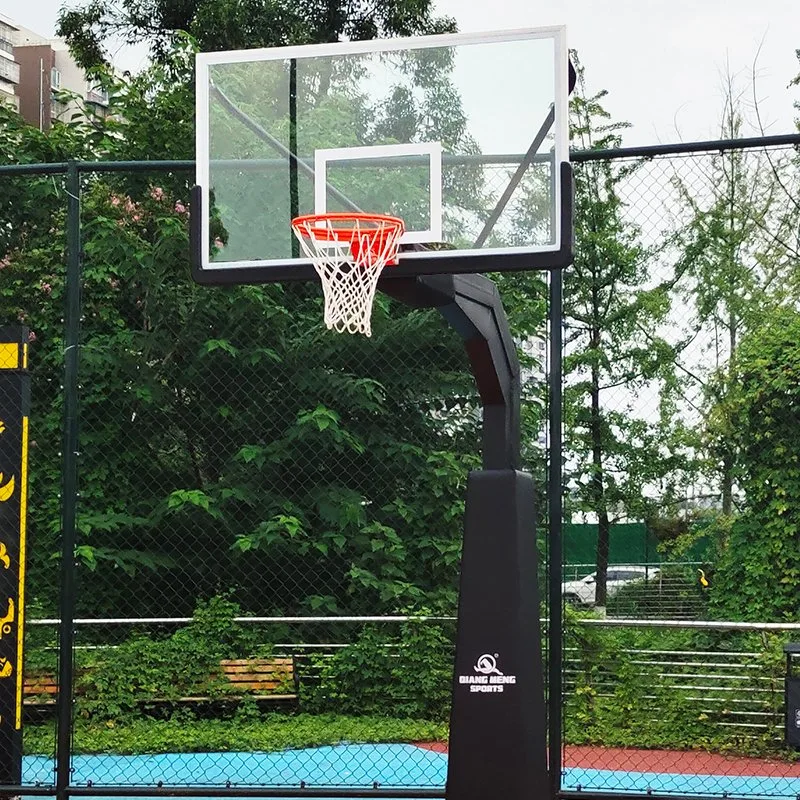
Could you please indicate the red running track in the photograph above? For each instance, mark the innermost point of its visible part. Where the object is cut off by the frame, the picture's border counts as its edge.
(682, 762)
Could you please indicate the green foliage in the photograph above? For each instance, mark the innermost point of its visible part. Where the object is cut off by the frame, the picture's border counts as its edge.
(407, 674)
(733, 271)
(240, 439)
(143, 670)
(615, 697)
(268, 732)
(695, 536)
(674, 594)
(237, 24)
(759, 572)
(613, 311)
(615, 700)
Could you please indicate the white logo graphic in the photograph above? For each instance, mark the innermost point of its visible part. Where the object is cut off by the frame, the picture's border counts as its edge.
(487, 665)
(489, 679)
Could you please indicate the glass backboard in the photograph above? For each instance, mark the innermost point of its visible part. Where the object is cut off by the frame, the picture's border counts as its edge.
(463, 136)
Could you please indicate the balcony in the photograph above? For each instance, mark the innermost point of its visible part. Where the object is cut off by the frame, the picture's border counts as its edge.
(97, 97)
(6, 46)
(9, 70)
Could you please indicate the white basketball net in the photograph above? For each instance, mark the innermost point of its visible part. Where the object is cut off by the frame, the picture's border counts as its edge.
(349, 254)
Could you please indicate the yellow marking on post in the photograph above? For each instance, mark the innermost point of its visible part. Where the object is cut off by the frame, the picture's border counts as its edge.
(6, 489)
(25, 356)
(9, 355)
(23, 511)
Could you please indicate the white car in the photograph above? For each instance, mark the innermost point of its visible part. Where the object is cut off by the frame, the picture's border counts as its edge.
(582, 591)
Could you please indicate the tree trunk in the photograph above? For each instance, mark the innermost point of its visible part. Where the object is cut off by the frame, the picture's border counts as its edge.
(727, 483)
(729, 456)
(598, 482)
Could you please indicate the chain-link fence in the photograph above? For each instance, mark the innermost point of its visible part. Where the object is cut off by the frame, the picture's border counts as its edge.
(671, 411)
(267, 518)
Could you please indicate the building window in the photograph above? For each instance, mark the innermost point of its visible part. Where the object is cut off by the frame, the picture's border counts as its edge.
(57, 109)
(9, 71)
(7, 38)
(55, 78)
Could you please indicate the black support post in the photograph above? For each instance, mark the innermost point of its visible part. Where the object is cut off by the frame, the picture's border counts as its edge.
(555, 511)
(69, 494)
(498, 722)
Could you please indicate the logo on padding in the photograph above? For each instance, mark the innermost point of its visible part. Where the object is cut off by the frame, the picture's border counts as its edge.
(487, 665)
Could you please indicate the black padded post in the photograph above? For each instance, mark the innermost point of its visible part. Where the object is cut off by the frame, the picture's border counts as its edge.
(498, 721)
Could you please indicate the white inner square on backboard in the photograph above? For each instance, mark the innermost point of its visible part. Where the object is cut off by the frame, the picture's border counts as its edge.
(423, 153)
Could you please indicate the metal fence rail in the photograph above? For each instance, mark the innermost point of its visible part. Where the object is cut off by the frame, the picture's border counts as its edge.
(738, 693)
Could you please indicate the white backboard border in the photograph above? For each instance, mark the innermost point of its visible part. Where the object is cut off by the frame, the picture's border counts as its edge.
(254, 271)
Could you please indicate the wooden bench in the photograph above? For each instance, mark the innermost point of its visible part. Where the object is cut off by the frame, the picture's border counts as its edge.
(39, 689)
(258, 678)
(263, 679)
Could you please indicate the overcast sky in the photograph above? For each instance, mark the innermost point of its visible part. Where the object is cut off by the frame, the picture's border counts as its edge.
(662, 61)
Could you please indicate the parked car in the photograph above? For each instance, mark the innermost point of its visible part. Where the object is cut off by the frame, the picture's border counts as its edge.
(581, 592)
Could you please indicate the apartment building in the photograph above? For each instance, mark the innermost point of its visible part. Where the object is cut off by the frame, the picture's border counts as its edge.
(38, 70)
(9, 68)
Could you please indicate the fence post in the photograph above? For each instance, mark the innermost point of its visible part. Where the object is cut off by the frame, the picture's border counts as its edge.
(69, 495)
(555, 504)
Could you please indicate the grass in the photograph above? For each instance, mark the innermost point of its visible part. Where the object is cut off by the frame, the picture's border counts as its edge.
(185, 734)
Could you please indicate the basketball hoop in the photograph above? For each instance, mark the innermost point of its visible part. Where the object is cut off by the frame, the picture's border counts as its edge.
(349, 251)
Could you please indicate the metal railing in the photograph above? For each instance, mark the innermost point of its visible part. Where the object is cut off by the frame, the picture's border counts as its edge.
(739, 691)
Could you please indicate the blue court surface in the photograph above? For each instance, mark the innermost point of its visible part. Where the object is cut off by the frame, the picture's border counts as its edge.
(367, 766)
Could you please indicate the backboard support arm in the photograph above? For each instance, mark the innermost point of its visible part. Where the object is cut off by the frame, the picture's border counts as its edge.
(471, 304)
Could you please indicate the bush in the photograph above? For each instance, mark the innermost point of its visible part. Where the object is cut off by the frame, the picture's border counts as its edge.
(615, 697)
(675, 594)
(123, 679)
(758, 575)
(404, 675)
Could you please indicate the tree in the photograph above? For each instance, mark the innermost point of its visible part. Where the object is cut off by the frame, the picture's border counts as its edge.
(614, 354)
(226, 440)
(759, 571)
(238, 24)
(737, 262)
